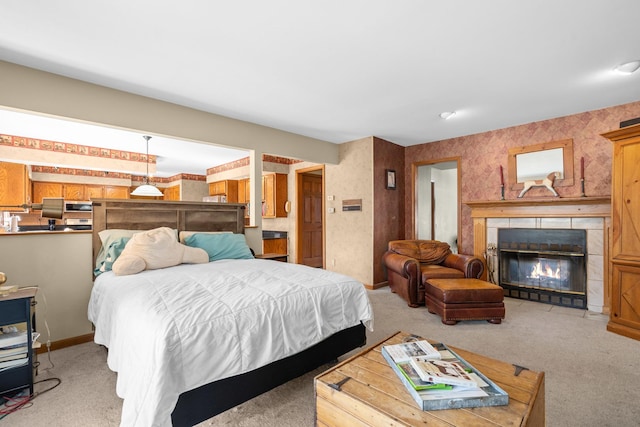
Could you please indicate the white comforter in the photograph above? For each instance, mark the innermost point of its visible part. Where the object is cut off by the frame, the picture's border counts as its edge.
(174, 329)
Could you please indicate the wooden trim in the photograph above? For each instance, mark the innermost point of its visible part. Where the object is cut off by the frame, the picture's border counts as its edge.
(67, 342)
(540, 208)
(376, 285)
(414, 196)
(567, 158)
(623, 133)
(607, 273)
(480, 242)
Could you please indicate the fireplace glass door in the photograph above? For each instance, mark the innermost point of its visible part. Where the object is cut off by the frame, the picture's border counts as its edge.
(554, 273)
(545, 265)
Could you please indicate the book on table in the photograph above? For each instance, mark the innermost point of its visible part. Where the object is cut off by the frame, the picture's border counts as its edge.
(471, 388)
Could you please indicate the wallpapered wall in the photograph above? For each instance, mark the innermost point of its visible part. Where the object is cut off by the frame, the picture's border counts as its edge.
(482, 154)
(388, 224)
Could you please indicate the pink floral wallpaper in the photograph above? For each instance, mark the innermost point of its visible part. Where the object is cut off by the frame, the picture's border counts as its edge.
(481, 156)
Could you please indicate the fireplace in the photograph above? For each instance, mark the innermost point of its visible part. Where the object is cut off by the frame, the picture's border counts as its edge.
(544, 265)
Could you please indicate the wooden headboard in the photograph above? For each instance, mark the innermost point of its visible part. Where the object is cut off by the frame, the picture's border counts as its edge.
(148, 214)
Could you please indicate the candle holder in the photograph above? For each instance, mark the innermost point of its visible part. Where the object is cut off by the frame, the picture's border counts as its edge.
(582, 188)
(502, 192)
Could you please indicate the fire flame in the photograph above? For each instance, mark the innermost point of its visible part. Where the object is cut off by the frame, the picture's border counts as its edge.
(538, 271)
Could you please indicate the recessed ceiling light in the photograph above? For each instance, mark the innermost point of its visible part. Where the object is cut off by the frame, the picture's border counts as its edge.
(447, 115)
(628, 67)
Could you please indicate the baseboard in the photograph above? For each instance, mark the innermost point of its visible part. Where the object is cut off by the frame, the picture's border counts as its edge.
(67, 342)
(376, 285)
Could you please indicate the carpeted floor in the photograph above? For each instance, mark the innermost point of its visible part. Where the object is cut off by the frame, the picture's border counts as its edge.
(591, 375)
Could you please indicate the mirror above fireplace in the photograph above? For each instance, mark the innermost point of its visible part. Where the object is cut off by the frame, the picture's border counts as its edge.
(537, 161)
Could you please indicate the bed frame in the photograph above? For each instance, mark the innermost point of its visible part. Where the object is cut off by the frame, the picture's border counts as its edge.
(204, 402)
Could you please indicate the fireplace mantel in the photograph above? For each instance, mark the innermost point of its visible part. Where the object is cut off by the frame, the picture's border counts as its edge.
(542, 208)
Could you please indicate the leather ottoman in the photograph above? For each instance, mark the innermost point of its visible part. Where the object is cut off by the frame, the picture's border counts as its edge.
(464, 299)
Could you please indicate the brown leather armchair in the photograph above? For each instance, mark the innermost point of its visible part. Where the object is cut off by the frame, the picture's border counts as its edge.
(410, 263)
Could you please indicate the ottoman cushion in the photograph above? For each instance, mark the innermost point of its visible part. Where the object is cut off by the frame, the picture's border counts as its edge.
(460, 291)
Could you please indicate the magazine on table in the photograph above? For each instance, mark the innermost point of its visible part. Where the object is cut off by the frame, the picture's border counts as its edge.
(443, 372)
(415, 381)
(406, 351)
(477, 391)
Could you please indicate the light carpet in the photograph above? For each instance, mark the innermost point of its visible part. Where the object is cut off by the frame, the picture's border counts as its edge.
(592, 376)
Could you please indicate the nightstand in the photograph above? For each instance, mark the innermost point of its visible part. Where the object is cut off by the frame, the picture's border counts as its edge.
(18, 308)
(274, 257)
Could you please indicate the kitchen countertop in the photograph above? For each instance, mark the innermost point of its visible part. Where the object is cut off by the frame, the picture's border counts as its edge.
(32, 232)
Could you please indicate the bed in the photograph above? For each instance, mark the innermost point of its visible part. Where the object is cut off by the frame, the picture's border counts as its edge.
(193, 340)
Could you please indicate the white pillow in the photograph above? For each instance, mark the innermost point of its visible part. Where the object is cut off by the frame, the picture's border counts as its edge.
(153, 249)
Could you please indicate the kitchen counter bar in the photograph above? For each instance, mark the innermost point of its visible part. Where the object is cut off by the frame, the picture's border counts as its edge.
(32, 232)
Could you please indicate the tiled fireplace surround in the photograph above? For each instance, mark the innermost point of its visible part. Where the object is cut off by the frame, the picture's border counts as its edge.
(592, 214)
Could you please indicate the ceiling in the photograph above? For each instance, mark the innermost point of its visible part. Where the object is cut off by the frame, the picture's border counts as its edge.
(340, 70)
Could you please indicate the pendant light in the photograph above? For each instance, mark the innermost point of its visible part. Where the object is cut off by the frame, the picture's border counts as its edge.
(147, 190)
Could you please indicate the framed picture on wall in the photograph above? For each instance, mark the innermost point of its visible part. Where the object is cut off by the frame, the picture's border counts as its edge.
(391, 179)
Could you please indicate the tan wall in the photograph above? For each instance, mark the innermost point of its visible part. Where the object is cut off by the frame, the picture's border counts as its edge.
(31, 90)
(59, 264)
(193, 191)
(349, 239)
(81, 179)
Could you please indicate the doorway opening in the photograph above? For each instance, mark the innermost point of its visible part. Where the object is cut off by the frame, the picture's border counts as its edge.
(437, 201)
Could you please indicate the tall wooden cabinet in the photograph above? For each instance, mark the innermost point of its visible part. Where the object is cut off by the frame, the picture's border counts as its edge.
(274, 195)
(625, 233)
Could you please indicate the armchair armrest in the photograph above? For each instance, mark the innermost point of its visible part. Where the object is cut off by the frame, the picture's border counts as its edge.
(401, 264)
(470, 265)
(404, 276)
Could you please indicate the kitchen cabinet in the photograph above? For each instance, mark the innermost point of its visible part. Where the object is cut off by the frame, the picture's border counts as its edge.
(244, 190)
(227, 187)
(274, 195)
(46, 189)
(624, 318)
(275, 246)
(274, 243)
(116, 192)
(74, 192)
(92, 191)
(77, 192)
(15, 188)
(172, 193)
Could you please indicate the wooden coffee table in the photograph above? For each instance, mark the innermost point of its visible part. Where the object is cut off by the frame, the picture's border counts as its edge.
(364, 391)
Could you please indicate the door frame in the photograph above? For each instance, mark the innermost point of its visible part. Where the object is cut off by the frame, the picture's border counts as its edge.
(300, 209)
(414, 194)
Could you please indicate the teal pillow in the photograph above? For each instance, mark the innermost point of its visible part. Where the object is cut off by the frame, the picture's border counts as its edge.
(110, 255)
(221, 246)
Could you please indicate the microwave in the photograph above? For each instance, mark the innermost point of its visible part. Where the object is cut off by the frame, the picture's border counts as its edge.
(73, 206)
